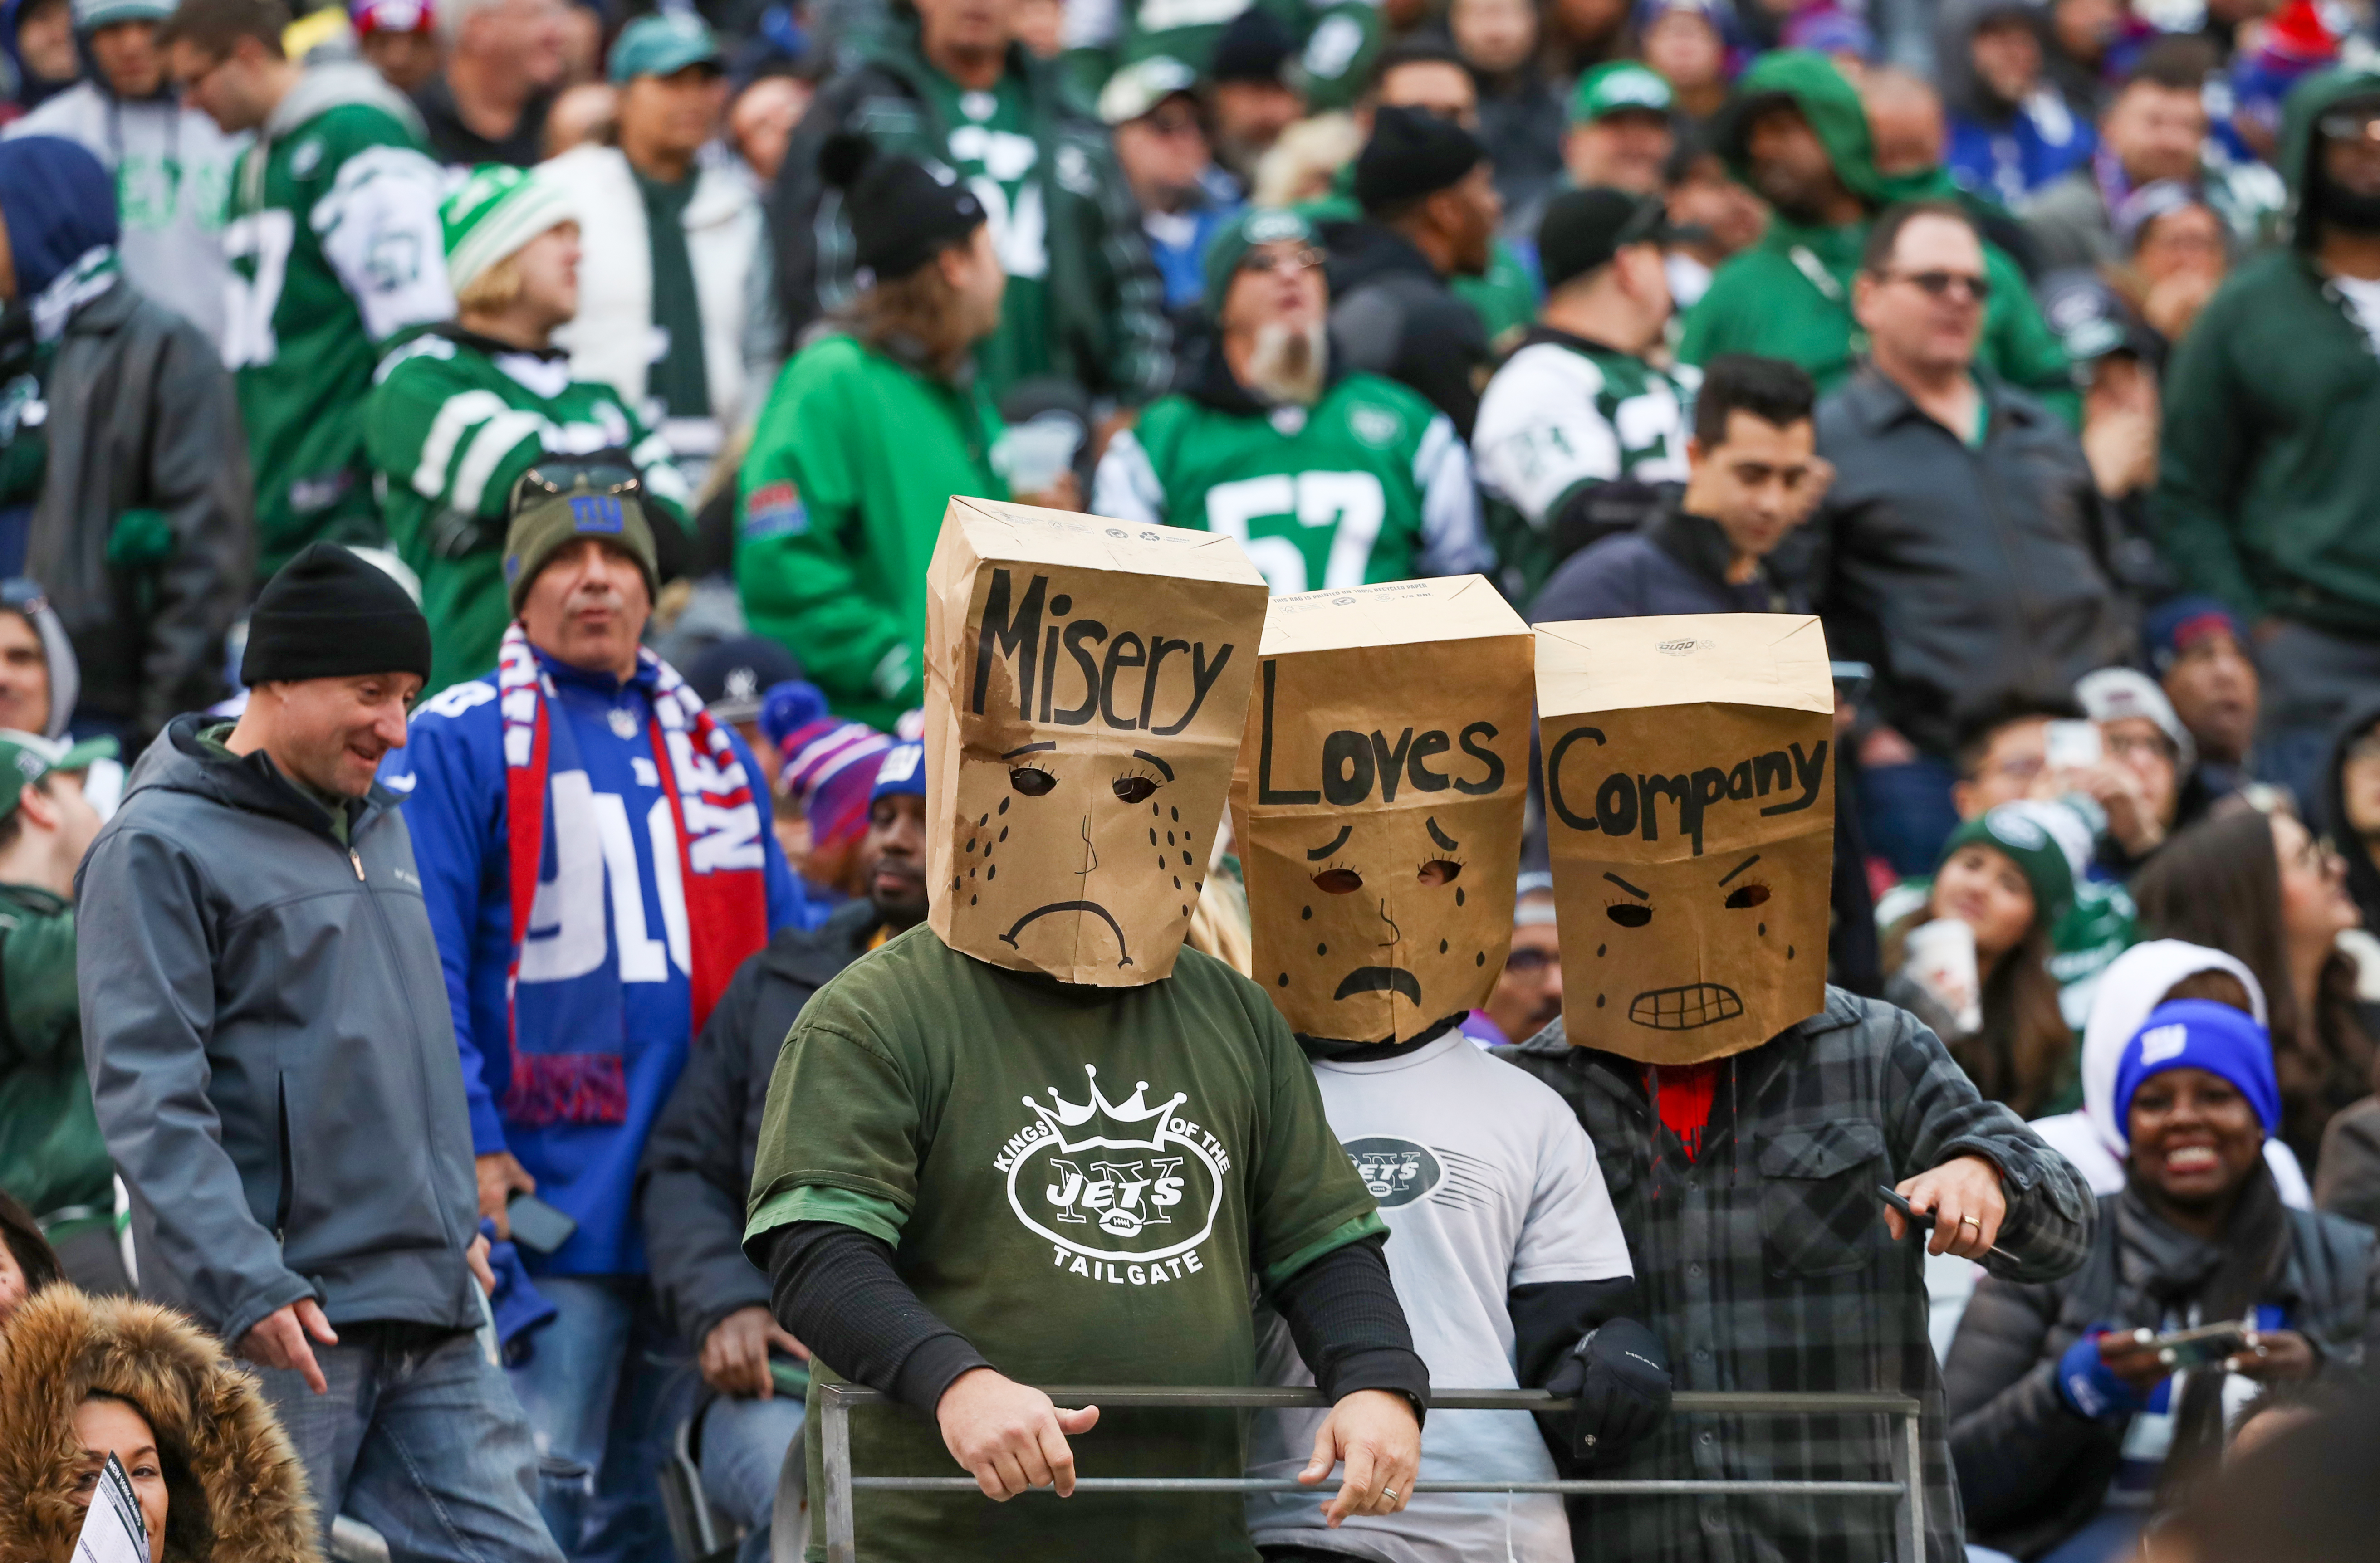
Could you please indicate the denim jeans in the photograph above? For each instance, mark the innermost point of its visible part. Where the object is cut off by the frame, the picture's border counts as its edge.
(743, 1445)
(593, 1391)
(420, 1438)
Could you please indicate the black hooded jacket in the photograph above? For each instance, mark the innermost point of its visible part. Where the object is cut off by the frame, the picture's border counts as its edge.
(1392, 314)
(698, 1163)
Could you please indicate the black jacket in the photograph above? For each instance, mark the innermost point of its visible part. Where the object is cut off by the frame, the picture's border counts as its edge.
(2032, 1470)
(142, 417)
(1675, 563)
(1968, 576)
(698, 1165)
(1392, 314)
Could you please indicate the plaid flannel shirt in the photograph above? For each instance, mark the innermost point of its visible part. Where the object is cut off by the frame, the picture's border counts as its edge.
(1766, 1265)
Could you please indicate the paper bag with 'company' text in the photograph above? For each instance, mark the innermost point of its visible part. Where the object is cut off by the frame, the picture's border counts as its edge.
(1086, 683)
(1690, 803)
(1378, 804)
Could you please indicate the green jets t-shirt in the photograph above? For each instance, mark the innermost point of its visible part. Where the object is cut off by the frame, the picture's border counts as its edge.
(1370, 485)
(1084, 1183)
(992, 146)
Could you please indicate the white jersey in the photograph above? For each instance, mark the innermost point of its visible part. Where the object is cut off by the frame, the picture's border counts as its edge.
(1565, 412)
(173, 174)
(1486, 1182)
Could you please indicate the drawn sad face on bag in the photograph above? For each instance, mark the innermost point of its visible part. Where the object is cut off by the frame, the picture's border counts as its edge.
(1379, 800)
(1086, 685)
(1689, 816)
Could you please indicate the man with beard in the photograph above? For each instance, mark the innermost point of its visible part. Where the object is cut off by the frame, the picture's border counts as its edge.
(2268, 464)
(699, 1163)
(1797, 133)
(1271, 436)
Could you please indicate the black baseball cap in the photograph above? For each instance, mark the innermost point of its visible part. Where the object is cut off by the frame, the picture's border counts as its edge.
(1584, 230)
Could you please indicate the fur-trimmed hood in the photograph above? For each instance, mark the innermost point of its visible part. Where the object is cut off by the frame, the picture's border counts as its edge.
(237, 1491)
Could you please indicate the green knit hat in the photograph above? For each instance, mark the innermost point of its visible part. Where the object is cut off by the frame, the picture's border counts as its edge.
(2012, 829)
(495, 212)
(1227, 249)
(1619, 88)
(556, 505)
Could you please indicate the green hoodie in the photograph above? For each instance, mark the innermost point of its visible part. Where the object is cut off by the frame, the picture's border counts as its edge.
(52, 1156)
(1788, 296)
(2268, 494)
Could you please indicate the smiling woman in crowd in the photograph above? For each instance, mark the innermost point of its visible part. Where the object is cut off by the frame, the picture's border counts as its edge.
(2006, 879)
(2065, 1430)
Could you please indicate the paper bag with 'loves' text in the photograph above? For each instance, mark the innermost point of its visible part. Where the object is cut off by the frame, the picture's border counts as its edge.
(1378, 804)
(1086, 683)
(1689, 803)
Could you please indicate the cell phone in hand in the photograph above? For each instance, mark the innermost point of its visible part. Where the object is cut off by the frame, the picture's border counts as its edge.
(2182, 1349)
(538, 1225)
(2072, 746)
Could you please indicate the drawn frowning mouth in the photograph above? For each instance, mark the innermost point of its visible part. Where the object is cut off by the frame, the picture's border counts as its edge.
(1682, 1008)
(1380, 979)
(1124, 954)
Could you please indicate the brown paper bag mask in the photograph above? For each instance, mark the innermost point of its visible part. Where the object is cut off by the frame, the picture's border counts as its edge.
(1086, 683)
(1690, 810)
(1378, 804)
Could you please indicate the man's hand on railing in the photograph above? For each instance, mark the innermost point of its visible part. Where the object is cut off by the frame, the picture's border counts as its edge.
(1621, 1377)
(1010, 1438)
(1378, 1436)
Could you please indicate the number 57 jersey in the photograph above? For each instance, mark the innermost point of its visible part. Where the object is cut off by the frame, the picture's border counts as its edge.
(335, 245)
(1369, 484)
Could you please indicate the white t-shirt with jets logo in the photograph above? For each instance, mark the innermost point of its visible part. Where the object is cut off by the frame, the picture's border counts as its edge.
(1486, 1182)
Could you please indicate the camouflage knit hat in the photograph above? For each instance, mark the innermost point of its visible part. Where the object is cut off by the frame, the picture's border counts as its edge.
(557, 502)
(497, 210)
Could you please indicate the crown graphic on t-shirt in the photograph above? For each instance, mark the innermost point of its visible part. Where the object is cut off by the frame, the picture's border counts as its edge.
(1100, 1120)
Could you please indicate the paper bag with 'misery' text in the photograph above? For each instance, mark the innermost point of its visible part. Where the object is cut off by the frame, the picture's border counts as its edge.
(1086, 683)
(1690, 803)
(1379, 801)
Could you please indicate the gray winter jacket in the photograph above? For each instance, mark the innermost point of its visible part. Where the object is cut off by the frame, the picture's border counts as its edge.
(270, 1052)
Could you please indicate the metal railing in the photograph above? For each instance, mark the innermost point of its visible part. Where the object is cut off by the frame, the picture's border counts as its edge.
(833, 1403)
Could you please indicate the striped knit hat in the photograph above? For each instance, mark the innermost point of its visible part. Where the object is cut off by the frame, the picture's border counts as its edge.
(497, 210)
(827, 765)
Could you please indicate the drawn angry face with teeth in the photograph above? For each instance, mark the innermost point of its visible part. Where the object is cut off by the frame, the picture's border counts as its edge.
(1377, 817)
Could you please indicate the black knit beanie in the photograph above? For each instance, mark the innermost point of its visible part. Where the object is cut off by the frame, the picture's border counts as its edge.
(901, 215)
(332, 614)
(1412, 153)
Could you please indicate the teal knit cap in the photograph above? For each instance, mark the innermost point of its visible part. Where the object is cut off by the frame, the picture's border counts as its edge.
(1227, 249)
(2010, 828)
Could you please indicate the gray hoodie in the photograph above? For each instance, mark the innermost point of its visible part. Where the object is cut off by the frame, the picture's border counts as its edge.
(270, 1053)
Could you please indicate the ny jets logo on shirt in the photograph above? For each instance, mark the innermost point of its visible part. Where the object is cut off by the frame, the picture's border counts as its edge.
(1396, 1172)
(1123, 1191)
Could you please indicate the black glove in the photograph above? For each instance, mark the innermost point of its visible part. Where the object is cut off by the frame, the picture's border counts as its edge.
(1621, 1378)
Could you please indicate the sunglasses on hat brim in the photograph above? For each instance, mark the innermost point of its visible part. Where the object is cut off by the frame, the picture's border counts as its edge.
(557, 479)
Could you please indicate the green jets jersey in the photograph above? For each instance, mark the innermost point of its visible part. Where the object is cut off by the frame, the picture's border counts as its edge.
(452, 422)
(1564, 414)
(335, 246)
(992, 146)
(1371, 484)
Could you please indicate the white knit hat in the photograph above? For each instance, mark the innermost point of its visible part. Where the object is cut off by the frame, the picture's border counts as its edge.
(497, 210)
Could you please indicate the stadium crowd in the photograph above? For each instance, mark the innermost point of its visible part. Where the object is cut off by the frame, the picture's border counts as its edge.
(486, 1014)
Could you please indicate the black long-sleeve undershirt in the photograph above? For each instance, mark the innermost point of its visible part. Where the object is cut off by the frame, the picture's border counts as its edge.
(835, 1288)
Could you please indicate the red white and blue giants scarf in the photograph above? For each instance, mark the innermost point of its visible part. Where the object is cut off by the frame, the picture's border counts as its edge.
(567, 1068)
